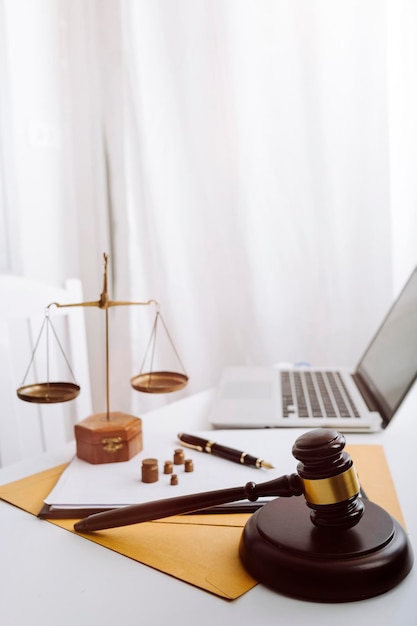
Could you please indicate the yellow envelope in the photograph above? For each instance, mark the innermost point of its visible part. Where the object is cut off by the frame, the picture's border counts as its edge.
(199, 549)
(204, 552)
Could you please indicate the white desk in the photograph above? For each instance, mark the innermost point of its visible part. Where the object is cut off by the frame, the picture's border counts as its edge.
(50, 576)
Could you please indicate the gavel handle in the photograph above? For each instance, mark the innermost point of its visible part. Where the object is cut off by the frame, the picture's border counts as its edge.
(285, 486)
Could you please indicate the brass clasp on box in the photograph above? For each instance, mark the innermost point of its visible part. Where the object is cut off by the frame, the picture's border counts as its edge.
(112, 444)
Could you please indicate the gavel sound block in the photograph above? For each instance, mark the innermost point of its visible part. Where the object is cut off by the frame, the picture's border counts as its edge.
(344, 549)
(338, 548)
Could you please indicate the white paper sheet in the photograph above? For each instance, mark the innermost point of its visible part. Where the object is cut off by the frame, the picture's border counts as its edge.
(119, 484)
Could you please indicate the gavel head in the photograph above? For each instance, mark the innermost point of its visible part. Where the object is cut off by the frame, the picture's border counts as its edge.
(331, 486)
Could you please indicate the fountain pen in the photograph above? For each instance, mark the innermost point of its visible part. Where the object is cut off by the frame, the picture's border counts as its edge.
(205, 445)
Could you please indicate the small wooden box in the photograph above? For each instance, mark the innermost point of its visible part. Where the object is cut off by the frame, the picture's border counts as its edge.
(103, 440)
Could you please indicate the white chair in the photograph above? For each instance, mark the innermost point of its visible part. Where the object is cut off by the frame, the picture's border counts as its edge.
(29, 428)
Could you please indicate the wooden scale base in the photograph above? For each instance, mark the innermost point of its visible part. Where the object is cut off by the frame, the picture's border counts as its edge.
(282, 549)
(108, 438)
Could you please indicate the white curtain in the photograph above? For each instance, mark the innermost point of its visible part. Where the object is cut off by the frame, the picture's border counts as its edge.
(402, 118)
(256, 171)
(247, 163)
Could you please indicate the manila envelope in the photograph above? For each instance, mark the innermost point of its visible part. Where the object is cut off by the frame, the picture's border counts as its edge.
(202, 550)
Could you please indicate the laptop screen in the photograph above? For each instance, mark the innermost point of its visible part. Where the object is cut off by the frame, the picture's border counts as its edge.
(389, 365)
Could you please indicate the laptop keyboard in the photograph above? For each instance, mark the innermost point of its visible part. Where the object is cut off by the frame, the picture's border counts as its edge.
(316, 394)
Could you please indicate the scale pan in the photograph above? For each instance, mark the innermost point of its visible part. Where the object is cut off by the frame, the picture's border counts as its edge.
(159, 382)
(48, 393)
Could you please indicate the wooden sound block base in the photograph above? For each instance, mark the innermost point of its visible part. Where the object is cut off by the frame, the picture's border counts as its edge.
(282, 549)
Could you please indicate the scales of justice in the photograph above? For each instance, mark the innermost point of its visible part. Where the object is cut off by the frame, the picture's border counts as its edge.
(111, 436)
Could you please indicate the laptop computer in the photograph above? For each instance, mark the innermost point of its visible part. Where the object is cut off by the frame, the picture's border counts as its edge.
(364, 400)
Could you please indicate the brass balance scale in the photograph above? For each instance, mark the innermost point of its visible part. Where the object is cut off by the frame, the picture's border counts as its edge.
(110, 436)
